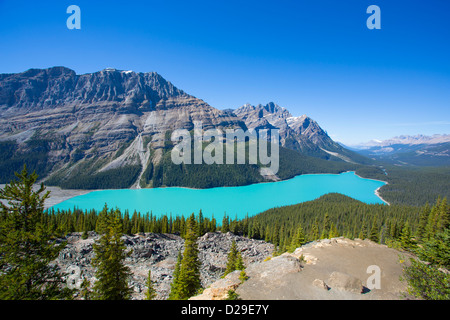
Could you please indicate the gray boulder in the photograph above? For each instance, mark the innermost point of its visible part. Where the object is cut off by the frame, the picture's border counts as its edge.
(345, 282)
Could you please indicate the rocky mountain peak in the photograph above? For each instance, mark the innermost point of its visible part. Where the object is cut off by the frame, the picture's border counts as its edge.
(40, 89)
(85, 119)
(113, 119)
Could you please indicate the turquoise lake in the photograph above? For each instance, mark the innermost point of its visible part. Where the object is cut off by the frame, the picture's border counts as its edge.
(234, 201)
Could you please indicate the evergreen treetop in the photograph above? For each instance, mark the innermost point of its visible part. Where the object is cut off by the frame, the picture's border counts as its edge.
(26, 246)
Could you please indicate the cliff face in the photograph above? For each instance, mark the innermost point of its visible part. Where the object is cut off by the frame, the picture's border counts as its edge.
(109, 106)
(84, 120)
(70, 125)
(43, 89)
(298, 133)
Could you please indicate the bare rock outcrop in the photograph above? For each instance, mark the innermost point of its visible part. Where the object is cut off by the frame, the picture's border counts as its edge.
(158, 252)
(345, 282)
(219, 289)
(327, 269)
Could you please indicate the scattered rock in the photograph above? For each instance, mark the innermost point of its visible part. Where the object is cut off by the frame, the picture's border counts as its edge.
(275, 268)
(345, 282)
(159, 252)
(320, 284)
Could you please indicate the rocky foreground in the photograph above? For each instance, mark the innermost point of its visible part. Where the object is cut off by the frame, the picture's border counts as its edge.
(329, 269)
(158, 252)
(337, 268)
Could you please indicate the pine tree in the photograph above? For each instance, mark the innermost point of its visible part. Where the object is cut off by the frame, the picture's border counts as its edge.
(151, 293)
(333, 231)
(231, 259)
(373, 235)
(326, 226)
(314, 231)
(393, 230)
(363, 233)
(239, 262)
(134, 223)
(298, 239)
(174, 287)
(189, 277)
(443, 220)
(200, 223)
(427, 278)
(406, 241)
(225, 224)
(85, 292)
(433, 217)
(423, 219)
(112, 274)
(26, 246)
(102, 220)
(212, 224)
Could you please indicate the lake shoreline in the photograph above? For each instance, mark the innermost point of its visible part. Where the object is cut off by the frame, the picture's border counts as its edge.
(59, 195)
(236, 201)
(377, 191)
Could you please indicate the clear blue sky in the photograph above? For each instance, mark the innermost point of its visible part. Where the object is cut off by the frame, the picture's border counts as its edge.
(311, 57)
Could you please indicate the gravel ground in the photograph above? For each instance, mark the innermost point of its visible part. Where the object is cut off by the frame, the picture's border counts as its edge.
(58, 195)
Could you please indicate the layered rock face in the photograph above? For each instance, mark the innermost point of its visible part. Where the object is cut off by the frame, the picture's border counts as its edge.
(120, 103)
(83, 125)
(92, 116)
(299, 133)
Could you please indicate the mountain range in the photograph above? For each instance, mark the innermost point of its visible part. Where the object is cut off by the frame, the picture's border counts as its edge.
(418, 150)
(112, 128)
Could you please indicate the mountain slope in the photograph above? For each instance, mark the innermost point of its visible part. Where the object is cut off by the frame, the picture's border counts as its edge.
(298, 133)
(86, 124)
(112, 129)
(417, 150)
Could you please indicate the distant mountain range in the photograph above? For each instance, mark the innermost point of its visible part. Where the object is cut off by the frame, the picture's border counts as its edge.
(419, 150)
(114, 126)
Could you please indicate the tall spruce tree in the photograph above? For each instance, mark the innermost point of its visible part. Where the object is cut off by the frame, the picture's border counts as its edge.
(112, 274)
(239, 262)
(406, 241)
(189, 283)
(326, 226)
(428, 278)
(174, 287)
(314, 231)
(373, 235)
(231, 259)
(298, 239)
(333, 231)
(225, 224)
(26, 246)
(150, 294)
(423, 219)
(443, 220)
